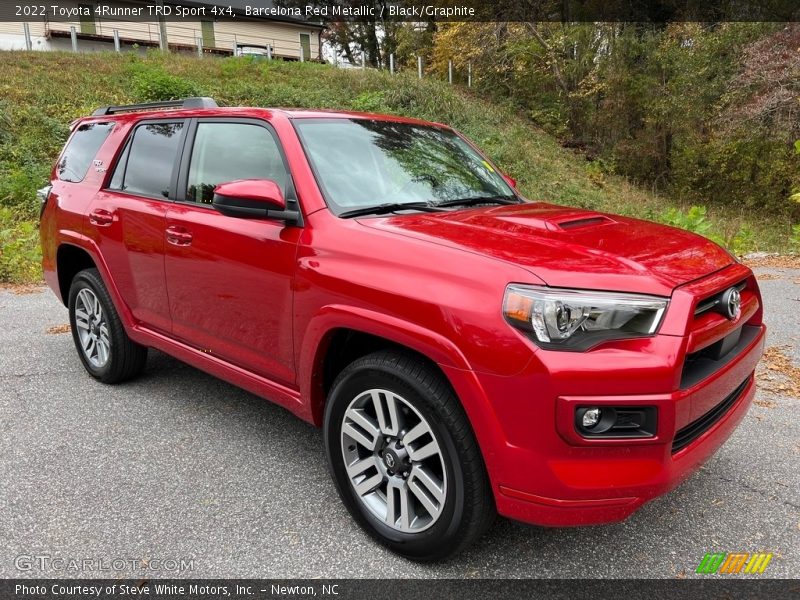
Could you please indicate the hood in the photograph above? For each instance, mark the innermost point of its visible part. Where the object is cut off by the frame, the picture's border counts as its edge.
(568, 247)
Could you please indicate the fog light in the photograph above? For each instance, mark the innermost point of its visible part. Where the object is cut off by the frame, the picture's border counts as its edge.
(591, 417)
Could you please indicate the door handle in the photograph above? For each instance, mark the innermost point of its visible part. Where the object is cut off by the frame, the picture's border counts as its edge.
(101, 217)
(179, 236)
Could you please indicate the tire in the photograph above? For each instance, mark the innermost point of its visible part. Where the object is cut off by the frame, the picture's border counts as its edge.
(459, 506)
(107, 354)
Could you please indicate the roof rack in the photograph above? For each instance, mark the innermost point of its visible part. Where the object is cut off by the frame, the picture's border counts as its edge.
(190, 103)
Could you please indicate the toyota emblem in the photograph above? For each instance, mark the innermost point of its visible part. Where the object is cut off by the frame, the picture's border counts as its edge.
(732, 303)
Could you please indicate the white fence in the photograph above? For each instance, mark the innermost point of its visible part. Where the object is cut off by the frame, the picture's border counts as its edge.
(362, 64)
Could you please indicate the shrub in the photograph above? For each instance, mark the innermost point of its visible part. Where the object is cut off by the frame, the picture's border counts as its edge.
(371, 102)
(20, 254)
(18, 188)
(153, 84)
(794, 240)
(693, 220)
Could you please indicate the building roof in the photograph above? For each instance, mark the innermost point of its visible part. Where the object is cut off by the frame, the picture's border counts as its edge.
(240, 8)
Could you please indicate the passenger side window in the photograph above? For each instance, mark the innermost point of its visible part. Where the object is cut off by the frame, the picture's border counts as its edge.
(81, 150)
(226, 152)
(146, 166)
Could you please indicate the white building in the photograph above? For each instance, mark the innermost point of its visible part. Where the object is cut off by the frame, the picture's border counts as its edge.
(286, 37)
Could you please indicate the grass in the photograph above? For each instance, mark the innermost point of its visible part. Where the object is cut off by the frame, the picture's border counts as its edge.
(42, 92)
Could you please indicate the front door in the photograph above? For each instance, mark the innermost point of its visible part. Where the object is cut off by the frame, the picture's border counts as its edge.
(230, 279)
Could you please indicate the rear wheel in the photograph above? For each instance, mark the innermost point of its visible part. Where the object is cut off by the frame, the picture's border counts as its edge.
(105, 350)
(403, 457)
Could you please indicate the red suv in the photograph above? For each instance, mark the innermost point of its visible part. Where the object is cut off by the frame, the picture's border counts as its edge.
(466, 352)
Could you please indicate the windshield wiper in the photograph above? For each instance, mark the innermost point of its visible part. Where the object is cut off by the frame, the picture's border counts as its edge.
(479, 200)
(389, 207)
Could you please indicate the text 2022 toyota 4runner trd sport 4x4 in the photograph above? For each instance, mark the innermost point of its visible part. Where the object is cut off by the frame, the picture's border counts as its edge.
(467, 352)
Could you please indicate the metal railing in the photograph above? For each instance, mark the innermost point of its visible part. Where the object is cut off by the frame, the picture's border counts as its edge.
(392, 67)
(168, 36)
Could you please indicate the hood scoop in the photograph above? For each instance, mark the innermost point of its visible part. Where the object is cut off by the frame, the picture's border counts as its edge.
(582, 222)
(562, 222)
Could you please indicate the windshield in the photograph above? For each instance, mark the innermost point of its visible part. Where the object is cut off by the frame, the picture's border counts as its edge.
(361, 163)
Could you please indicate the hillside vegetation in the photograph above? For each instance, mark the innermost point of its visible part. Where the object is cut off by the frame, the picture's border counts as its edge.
(41, 93)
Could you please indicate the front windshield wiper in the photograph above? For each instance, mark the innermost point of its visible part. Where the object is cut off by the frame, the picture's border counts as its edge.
(479, 200)
(389, 207)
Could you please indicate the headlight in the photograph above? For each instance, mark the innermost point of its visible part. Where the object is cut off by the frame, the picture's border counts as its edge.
(579, 319)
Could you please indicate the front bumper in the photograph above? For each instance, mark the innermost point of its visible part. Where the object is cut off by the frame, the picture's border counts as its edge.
(543, 472)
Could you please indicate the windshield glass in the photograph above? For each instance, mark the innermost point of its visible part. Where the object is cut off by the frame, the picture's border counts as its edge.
(361, 163)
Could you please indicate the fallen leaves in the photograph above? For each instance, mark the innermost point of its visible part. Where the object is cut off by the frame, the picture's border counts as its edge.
(764, 403)
(21, 289)
(56, 329)
(781, 261)
(778, 374)
(768, 277)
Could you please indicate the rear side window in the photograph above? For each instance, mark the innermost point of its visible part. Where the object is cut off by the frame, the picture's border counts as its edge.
(81, 150)
(146, 166)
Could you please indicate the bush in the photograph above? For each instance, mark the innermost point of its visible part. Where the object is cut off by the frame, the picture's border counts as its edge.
(153, 85)
(693, 220)
(20, 254)
(794, 240)
(741, 241)
(18, 189)
(371, 102)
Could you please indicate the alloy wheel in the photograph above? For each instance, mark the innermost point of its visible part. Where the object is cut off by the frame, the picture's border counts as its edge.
(92, 328)
(393, 460)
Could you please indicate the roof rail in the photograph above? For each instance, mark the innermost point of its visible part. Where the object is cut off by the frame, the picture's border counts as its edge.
(191, 103)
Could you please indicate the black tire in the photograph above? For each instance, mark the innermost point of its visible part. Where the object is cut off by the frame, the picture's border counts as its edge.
(468, 509)
(126, 359)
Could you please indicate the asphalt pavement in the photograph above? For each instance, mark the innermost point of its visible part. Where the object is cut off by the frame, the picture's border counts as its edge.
(179, 466)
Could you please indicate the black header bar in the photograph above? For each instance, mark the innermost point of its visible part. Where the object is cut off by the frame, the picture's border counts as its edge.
(322, 11)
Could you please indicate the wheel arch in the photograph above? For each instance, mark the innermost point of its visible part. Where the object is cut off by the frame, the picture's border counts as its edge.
(71, 260)
(80, 253)
(338, 335)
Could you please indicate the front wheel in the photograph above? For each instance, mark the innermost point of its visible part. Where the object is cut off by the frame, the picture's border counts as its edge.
(404, 458)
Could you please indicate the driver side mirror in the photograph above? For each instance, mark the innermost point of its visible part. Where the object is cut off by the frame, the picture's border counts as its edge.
(252, 199)
(510, 180)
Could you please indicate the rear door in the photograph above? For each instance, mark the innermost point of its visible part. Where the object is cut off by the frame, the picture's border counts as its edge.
(127, 219)
(230, 279)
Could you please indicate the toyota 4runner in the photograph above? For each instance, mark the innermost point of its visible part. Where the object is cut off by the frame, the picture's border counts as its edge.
(466, 352)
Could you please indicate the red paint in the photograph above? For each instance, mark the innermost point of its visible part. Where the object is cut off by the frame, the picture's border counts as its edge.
(510, 180)
(256, 301)
(260, 190)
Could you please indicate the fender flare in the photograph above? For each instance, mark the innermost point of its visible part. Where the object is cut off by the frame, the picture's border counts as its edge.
(311, 355)
(90, 247)
(454, 366)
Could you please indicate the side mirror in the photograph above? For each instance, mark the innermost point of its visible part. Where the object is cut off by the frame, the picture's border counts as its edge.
(252, 199)
(510, 180)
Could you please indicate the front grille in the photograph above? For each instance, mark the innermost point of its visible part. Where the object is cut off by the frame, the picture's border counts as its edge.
(698, 427)
(704, 363)
(714, 301)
